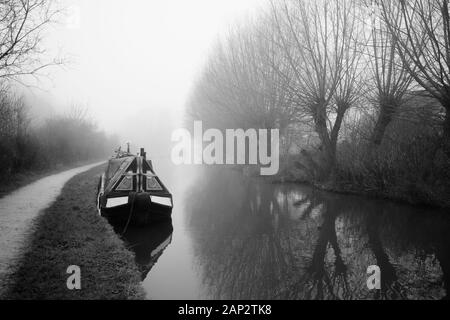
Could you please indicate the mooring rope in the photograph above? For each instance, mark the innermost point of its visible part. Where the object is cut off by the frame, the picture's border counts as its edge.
(132, 198)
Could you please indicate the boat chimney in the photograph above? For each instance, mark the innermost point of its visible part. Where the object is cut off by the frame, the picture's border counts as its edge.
(128, 147)
(143, 154)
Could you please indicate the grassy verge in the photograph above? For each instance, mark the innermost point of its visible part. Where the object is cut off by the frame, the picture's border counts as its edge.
(402, 191)
(70, 232)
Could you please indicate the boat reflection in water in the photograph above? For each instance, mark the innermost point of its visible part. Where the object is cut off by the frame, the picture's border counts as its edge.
(147, 242)
(245, 238)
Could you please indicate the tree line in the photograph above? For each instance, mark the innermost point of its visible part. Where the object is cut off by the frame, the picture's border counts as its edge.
(62, 139)
(58, 140)
(360, 91)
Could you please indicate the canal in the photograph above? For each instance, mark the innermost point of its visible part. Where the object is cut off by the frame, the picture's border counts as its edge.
(234, 237)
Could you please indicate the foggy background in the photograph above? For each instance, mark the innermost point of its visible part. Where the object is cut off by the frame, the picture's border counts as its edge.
(357, 115)
(131, 65)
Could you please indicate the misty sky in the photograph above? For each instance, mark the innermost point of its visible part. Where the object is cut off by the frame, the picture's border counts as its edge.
(133, 62)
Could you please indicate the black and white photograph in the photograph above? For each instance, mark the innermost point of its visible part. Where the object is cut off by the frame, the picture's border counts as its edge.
(224, 155)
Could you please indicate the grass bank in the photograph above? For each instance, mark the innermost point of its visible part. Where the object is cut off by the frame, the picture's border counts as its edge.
(70, 232)
(406, 174)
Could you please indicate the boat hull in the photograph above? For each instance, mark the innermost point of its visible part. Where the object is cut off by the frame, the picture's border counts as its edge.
(130, 192)
(137, 212)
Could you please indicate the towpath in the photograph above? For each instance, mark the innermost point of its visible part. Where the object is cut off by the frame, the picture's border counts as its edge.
(17, 212)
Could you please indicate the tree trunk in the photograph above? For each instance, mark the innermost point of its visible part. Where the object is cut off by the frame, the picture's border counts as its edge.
(446, 131)
(327, 150)
(385, 117)
(342, 108)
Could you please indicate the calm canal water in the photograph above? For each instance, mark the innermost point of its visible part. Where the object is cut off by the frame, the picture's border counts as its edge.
(239, 238)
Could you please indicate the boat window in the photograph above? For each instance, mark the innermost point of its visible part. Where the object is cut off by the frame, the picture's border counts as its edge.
(153, 184)
(126, 184)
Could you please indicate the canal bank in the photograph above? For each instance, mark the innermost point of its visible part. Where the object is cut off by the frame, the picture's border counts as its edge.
(432, 192)
(70, 232)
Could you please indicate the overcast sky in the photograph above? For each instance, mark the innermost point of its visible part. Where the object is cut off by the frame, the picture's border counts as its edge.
(132, 59)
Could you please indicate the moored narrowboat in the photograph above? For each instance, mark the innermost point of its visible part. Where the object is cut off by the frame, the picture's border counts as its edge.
(131, 193)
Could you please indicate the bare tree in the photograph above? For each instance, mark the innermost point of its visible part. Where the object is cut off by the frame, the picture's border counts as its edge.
(421, 31)
(320, 43)
(22, 23)
(391, 79)
(239, 86)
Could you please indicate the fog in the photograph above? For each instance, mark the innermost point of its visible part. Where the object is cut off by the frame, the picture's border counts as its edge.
(132, 64)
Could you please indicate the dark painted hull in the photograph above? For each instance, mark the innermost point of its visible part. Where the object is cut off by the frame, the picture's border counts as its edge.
(142, 213)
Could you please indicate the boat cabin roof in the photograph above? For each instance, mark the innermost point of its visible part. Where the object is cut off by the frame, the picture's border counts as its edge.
(130, 167)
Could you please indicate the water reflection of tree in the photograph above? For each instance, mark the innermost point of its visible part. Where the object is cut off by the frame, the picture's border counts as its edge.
(391, 287)
(240, 242)
(251, 242)
(321, 280)
(263, 258)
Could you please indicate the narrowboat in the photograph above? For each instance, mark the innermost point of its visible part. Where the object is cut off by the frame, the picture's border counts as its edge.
(130, 192)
